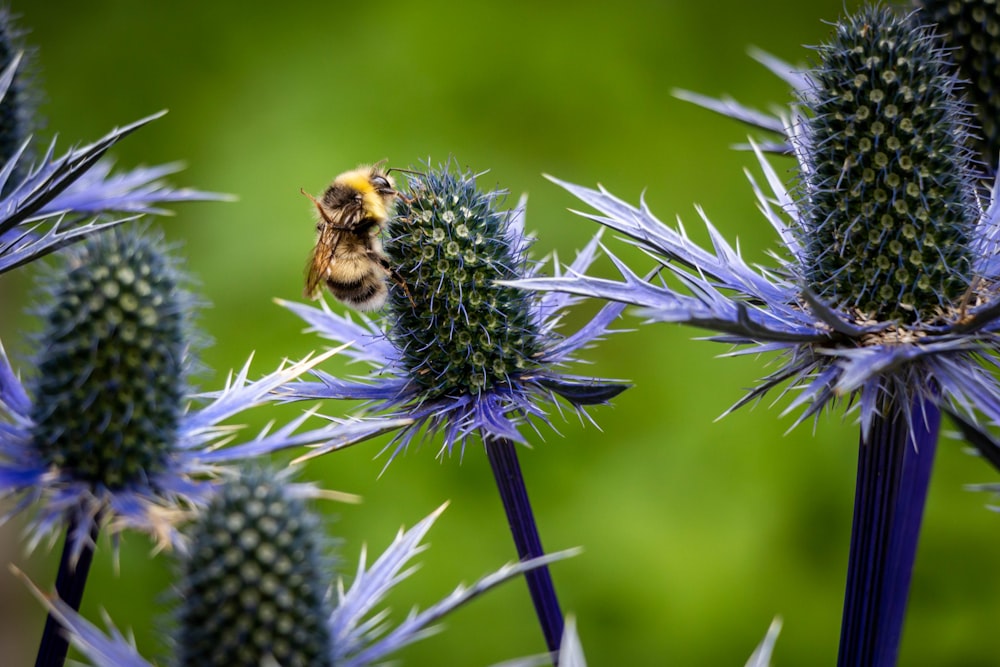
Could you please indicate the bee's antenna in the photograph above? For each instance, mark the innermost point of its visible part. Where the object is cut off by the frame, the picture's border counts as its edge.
(406, 171)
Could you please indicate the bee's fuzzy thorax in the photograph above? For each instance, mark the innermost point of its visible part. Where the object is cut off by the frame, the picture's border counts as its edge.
(348, 256)
(360, 180)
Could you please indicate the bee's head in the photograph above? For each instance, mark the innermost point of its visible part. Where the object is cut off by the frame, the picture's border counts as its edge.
(369, 188)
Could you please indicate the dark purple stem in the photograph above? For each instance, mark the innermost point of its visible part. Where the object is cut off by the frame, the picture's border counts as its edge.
(502, 454)
(893, 476)
(70, 582)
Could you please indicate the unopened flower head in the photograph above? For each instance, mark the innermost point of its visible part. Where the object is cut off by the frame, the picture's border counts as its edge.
(253, 581)
(462, 351)
(18, 103)
(110, 383)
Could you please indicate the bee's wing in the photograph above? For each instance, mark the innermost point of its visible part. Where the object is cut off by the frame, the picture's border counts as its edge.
(320, 259)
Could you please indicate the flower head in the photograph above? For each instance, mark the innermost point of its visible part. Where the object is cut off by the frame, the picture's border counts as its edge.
(462, 351)
(256, 583)
(17, 105)
(888, 282)
(104, 426)
(253, 581)
(113, 360)
(886, 296)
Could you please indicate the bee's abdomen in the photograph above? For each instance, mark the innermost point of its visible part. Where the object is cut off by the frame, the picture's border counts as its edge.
(368, 292)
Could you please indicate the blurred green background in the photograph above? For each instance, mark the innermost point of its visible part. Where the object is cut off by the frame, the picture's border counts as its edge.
(696, 532)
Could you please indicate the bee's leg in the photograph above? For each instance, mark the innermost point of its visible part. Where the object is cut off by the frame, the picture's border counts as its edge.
(394, 274)
(966, 300)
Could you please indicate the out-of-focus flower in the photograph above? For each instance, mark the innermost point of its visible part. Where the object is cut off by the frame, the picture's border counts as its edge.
(253, 588)
(970, 30)
(48, 202)
(107, 424)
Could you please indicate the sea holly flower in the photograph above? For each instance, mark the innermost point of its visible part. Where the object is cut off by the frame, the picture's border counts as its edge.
(109, 423)
(19, 101)
(460, 352)
(885, 298)
(256, 588)
(103, 433)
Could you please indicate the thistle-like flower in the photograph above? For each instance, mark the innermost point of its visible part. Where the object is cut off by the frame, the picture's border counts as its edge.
(462, 353)
(886, 300)
(108, 425)
(254, 585)
(102, 434)
(18, 102)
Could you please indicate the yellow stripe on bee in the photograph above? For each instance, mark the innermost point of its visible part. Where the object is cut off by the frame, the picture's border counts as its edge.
(360, 179)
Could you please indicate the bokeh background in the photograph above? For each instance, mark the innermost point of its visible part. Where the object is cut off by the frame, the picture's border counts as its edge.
(696, 531)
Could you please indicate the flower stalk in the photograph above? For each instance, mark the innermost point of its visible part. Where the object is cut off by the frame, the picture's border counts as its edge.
(71, 579)
(502, 454)
(894, 470)
(885, 297)
(463, 352)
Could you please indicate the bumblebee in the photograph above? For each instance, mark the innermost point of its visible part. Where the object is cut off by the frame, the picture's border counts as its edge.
(348, 257)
